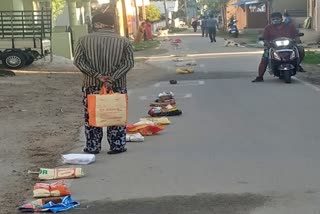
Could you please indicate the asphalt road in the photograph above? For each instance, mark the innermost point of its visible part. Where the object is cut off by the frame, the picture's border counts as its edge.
(239, 147)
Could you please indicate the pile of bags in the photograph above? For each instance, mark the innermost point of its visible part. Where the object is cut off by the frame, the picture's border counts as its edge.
(165, 105)
(56, 196)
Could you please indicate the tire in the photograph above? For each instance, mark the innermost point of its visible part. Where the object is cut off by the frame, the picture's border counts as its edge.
(287, 76)
(14, 60)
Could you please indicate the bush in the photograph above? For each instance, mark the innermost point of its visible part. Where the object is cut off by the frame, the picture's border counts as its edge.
(152, 13)
(312, 57)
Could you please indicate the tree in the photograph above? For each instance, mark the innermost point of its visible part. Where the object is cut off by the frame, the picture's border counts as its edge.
(57, 8)
(215, 5)
(153, 13)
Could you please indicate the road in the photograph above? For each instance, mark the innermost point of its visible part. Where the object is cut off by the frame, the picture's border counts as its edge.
(239, 147)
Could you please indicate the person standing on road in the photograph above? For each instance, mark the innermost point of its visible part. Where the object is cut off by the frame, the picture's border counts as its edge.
(212, 25)
(104, 58)
(204, 26)
(194, 24)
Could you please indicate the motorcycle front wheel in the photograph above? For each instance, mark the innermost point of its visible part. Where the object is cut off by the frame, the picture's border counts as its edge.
(287, 76)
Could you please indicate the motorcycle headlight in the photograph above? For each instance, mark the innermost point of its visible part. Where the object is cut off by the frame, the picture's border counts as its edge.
(293, 55)
(276, 56)
(282, 43)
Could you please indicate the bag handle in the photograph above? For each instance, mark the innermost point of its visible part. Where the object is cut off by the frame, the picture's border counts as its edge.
(104, 90)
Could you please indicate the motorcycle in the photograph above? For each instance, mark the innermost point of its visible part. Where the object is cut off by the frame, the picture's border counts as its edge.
(233, 29)
(284, 58)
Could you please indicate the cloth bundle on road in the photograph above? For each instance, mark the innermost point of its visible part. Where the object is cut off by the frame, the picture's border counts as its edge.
(166, 106)
(55, 204)
(144, 129)
(157, 120)
(107, 109)
(185, 70)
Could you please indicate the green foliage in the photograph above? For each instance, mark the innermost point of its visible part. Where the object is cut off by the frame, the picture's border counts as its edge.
(57, 8)
(145, 45)
(214, 4)
(312, 57)
(153, 13)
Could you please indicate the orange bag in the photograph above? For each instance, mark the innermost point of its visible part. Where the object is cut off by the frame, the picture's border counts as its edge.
(58, 188)
(144, 129)
(107, 109)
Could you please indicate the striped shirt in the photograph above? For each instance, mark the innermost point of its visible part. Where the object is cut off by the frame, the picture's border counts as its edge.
(104, 53)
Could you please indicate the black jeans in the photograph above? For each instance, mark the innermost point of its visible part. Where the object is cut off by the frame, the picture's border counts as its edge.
(204, 31)
(212, 33)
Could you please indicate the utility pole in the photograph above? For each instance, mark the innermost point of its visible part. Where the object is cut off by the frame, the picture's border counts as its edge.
(137, 14)
(186, 12)
(125, 20)
(143, 9)
(166, 12)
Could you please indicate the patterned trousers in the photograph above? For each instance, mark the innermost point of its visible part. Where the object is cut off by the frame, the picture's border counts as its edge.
(116, 135)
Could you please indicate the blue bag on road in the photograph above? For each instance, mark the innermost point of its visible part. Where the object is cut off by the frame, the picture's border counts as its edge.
(66, 204)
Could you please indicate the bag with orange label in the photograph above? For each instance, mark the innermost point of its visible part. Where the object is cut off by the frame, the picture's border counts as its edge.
(58, 173)
(107, 108)
(59, 188)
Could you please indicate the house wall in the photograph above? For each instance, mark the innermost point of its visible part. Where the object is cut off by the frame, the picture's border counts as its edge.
(246, 19)
(314, 12)
(231, 10)
(8, 5)
(316, 17)
(28, 4)
(257, 20)
(281, 5)
(241, 16)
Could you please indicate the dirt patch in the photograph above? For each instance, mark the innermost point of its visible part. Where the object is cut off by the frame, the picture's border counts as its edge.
(6, 73)
(40, 117)
(41, 113)
(311, 75)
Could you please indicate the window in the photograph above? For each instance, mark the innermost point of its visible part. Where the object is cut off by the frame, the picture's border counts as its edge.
(258, 8)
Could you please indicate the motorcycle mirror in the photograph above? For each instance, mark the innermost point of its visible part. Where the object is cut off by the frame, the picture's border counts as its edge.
(260, 38)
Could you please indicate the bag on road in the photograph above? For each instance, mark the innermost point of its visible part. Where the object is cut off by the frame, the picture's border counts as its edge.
(81, 159)
(107, 109)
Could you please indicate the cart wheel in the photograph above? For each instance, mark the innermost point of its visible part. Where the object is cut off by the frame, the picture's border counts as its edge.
(15, 60)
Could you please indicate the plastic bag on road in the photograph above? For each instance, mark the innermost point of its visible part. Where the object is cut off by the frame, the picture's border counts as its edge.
(81, 159)
(137, 137)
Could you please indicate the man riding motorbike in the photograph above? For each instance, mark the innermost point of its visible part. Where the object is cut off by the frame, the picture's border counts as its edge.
(275, 30)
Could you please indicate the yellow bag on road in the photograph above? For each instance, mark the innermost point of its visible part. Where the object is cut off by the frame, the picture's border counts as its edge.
(60, 173)
(157, 120)
(107, 109)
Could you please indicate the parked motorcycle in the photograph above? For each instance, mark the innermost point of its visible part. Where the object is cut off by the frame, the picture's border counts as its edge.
(233, 29)
(284, 58)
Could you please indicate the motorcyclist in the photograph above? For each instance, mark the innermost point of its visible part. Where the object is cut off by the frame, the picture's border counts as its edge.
(275, 30)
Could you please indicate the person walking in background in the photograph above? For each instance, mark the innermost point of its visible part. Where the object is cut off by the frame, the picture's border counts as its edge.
(194, 24)
(148, 29)
(104, 58)
(287, 18)
(140, 34)
(203, 26)
(212, 25)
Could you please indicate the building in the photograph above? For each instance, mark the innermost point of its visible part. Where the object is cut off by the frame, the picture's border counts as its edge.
(249, 14)
(314, 13)
(255, 13)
